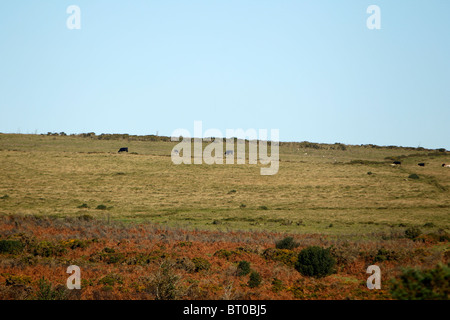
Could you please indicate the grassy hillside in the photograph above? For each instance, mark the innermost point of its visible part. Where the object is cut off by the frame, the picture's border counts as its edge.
(136, 222)
(331, 189)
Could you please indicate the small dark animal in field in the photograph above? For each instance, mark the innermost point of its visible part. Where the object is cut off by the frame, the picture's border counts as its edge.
(446, 165)
(396, 162)
(123, 150)
(175, 151)
(421, 164)
(229, 152)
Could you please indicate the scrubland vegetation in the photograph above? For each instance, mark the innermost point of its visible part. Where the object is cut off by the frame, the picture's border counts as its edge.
(140, 227)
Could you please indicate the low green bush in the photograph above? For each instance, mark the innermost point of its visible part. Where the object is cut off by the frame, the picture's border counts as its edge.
(315, 262)
(412, 233)
(48, 249)
(415, 284)
(46, 291)
(223, 253)
(286, 243)
(255, 279)
(111, 280)
(11, 246)
(385, 255)
(243, 268)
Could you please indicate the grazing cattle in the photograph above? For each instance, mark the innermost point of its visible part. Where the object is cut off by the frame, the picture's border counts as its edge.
(175, 151)
(421, 164)
(123, 150)
(446, 165)
(396, 162)
(229, 152)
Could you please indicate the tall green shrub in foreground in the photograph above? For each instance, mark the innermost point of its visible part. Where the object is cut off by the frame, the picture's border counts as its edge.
(315, 262)
(415, 284)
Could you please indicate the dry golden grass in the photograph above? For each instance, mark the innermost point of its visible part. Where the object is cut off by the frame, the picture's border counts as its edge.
(315, 190)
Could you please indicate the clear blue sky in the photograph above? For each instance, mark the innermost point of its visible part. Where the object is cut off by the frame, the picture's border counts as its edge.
(310, 68)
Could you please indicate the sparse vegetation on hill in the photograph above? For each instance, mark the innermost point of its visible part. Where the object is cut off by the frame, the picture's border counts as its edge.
(224, 230)
(147, 261)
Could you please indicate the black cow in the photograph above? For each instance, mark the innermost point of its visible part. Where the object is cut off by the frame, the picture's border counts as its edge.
(421, 164)
(397, 162)
(123, 150)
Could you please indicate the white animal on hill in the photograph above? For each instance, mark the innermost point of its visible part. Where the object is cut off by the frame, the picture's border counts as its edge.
(446, 165)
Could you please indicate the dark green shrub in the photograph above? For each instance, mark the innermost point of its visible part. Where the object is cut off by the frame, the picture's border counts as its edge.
(48, 249)
(201, 264)
(263, 208)
(11, 246)
(243, 268)
(83, 206)
(101, 207)
(412, 233)
(384, 255)
(315, 262)
(286, 243)
(109, 250)
(255, 279)
(415, 284)
(413, 176)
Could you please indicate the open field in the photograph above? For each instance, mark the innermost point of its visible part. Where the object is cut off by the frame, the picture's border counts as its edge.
(58, 189)
(45, 175)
